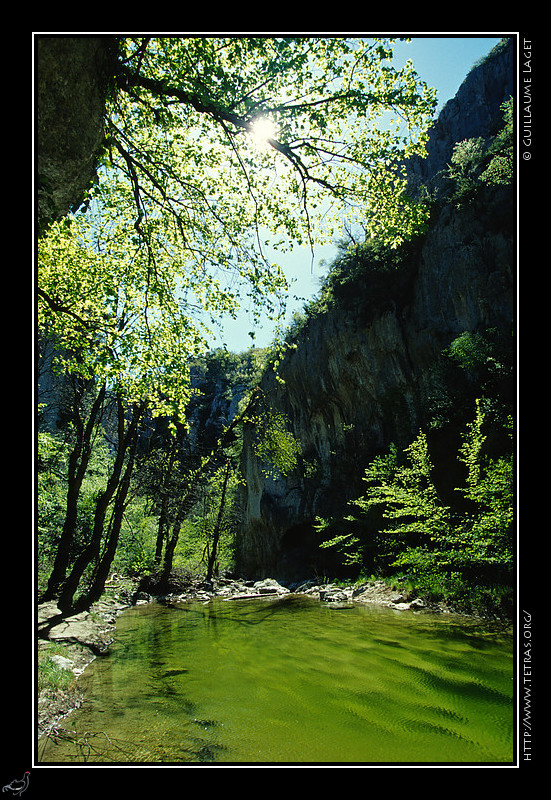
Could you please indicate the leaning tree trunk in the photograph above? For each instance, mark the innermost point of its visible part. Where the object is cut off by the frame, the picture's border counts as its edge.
(98, 584)
(92, 550)
(209, 464)
(78, 464)
(186, 505)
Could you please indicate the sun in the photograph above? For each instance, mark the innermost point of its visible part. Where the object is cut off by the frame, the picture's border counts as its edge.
(263, 129)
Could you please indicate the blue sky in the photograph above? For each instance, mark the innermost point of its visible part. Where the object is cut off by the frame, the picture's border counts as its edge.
(443, 61)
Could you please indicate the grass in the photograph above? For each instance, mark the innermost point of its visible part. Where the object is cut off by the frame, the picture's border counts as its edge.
(51, 675)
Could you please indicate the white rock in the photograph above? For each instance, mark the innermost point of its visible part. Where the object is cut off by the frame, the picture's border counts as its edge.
(62, 662)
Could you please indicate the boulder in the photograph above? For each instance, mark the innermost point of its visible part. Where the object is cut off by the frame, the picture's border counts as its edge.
(62, 662)
(331, 594)
(269, 586)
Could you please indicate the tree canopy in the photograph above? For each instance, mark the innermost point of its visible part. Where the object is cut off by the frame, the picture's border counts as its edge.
(217, 147)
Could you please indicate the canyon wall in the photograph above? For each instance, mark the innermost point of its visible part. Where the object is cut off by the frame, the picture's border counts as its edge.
(361, 378)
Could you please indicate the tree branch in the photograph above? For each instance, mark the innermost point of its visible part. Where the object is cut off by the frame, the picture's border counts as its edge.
(59, 308)
(128, 79)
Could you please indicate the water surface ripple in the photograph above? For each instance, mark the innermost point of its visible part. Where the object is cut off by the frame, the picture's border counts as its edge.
(294, 681)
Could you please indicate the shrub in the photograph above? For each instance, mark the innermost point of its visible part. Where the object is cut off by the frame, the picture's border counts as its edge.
(455, 552)
(476, 162)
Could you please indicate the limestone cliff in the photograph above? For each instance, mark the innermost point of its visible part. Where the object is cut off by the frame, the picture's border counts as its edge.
(71, 84)
(363, 374)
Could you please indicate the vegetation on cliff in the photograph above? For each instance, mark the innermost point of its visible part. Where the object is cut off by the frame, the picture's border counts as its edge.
(370, 275)
(437, 513)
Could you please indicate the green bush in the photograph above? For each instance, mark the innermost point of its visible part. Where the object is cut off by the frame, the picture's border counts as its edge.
(478, 162)
(458, 552)
(369, 273)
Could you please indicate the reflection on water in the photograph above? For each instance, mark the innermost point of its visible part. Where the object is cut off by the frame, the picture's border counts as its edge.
(293, 681)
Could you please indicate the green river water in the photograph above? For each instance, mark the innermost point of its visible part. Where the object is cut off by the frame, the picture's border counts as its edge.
(294, 681)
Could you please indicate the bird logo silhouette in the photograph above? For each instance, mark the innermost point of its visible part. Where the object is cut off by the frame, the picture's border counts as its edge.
(17, 787)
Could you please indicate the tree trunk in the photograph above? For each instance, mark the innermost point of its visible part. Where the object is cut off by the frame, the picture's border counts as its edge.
(164, 491)
(78, 464)
(208, 465)
(162, 531)
(218, 527)
(98, 584)
(186, 505)
(92, 550)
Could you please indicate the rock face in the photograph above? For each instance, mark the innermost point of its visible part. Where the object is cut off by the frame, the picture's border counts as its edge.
(473, 112)
(354, 384)
(70, 95)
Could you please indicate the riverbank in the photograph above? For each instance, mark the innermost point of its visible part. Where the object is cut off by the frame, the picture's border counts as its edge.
(67, 644)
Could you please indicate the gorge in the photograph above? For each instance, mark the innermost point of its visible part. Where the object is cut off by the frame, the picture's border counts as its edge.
(313, 563)
(366, 372)
(401, 342)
